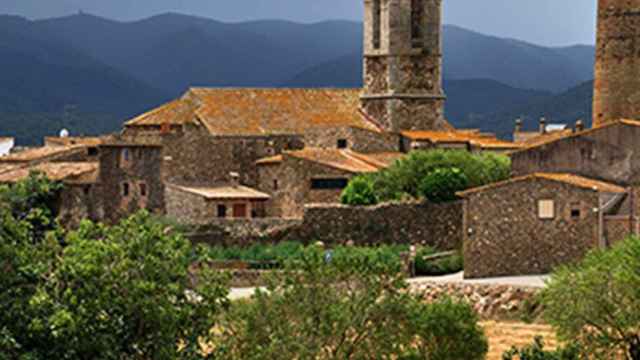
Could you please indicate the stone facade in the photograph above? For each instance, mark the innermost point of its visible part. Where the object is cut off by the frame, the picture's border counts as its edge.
(130, 179)
(437, 225)
(617, 70)
(79, 202)
(506, 235)
(357, 139)
(403, 65)
(242, 232)
(610, 153)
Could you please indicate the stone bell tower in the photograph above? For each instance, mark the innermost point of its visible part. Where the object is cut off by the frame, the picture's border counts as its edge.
(403, 65)
(617, 71)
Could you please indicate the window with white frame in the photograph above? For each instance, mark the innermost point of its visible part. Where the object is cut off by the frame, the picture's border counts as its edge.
(546, 209)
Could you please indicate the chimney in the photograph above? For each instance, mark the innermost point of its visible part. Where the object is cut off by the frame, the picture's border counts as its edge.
(518, 125)
(543, 125)
(579, 125)
(234, 178)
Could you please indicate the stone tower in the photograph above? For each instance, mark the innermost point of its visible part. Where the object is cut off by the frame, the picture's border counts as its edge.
(403, 65)
(617, 71)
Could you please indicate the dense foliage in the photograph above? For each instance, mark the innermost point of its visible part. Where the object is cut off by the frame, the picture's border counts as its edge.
(428, 263)
(100, 292)
(441, 185)
(434, 174)
(350, 308)
(359, 192)
(596, 302)
(536, 351)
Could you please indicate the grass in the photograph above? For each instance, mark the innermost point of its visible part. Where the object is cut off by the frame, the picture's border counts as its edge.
(504, 335)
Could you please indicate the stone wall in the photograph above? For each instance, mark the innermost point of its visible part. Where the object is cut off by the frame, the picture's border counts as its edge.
(139, 171)
(617, 70)
(438, 225)
(79, 202)
(242, 232)
(618, 228)
(489, 301)
(504, 235)
(610, 153)
(359, 140)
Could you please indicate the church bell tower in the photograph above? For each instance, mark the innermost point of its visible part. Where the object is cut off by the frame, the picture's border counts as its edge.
(403, 65)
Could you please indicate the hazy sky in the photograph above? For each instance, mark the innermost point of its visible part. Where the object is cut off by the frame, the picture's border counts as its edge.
(548, 22)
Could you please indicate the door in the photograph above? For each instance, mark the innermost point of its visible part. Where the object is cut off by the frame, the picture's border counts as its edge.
(240, 210)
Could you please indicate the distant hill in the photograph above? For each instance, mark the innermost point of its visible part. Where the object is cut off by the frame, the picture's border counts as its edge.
(90, 74)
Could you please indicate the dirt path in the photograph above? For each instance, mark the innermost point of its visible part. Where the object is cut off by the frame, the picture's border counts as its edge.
(503, 335)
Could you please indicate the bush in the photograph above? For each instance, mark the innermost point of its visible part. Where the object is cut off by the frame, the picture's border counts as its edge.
(536, 351)
(359, 192)
(442, 266)
(441, 185)
(596, 302)
(352, 308)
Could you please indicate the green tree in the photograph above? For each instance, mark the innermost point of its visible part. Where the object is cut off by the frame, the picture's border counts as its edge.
(441, 185)
(359, 192)
(596, 303)
(349, 308)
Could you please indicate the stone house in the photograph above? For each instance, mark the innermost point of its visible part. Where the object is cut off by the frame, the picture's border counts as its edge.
(313, 175)
(468, 140)
(533, 223)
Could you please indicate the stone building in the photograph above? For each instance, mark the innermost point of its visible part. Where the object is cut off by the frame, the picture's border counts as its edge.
(403, 65)
(469, 140)
(531, 224)
(298, 178)
(617, 70)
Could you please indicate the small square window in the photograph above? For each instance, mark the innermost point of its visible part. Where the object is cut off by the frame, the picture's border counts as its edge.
(125, 189)
(86, 190)
(576, 214)
(92, 151)
(343, 143)
(143, 189)
(275, 184)
(125, 154)
(222, 211)
(546, 209)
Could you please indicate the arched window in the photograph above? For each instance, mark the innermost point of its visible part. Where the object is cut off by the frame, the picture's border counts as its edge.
(377, 22)
(417, 23)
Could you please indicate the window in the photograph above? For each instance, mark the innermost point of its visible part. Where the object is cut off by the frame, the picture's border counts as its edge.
(576, 211)
(417, 19)
(125, 189)
(546, 209)
(86, 190)
(143, 189)
(343, 143)
(222, 211)
(125, 155)
(92, 151)
(377, 20)
(329, 184)
(275, 184)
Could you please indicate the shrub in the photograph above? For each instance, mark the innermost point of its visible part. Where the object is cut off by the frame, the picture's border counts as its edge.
(442, 266)
(352, 308)
(596, 302)
(441, 185)
(536, 351)
(359, 192)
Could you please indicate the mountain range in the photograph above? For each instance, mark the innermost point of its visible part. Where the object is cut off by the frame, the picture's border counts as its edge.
(89, 74)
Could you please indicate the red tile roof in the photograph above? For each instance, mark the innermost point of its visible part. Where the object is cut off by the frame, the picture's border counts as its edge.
(231, 111)
(75, 172)
(345, 160)
(471, 137)
(39, 153)
(224, 192)
(571, 179)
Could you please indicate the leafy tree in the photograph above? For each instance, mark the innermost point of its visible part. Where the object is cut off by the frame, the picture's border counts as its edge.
(360, 191)
(349, 308)
(536, 351)
(596, 302)
(441, 185)
(105, 292)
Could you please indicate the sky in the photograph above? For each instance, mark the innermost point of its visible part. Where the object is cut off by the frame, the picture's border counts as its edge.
(545, 22)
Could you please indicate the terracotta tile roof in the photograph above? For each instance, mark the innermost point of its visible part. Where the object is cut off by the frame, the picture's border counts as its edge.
(224, 192)
(471, 136)
(571, 179)
(380, 160)
(176, 112)
(552, 137)
(335, 158)
(67, 141)
(75, 172)
(5, 139)
(232, 111)
(270, 160)
(39, 153)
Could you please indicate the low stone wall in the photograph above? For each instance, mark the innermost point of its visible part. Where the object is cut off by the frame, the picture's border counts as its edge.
(438, 225)
(489, 301)
(242, 232)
